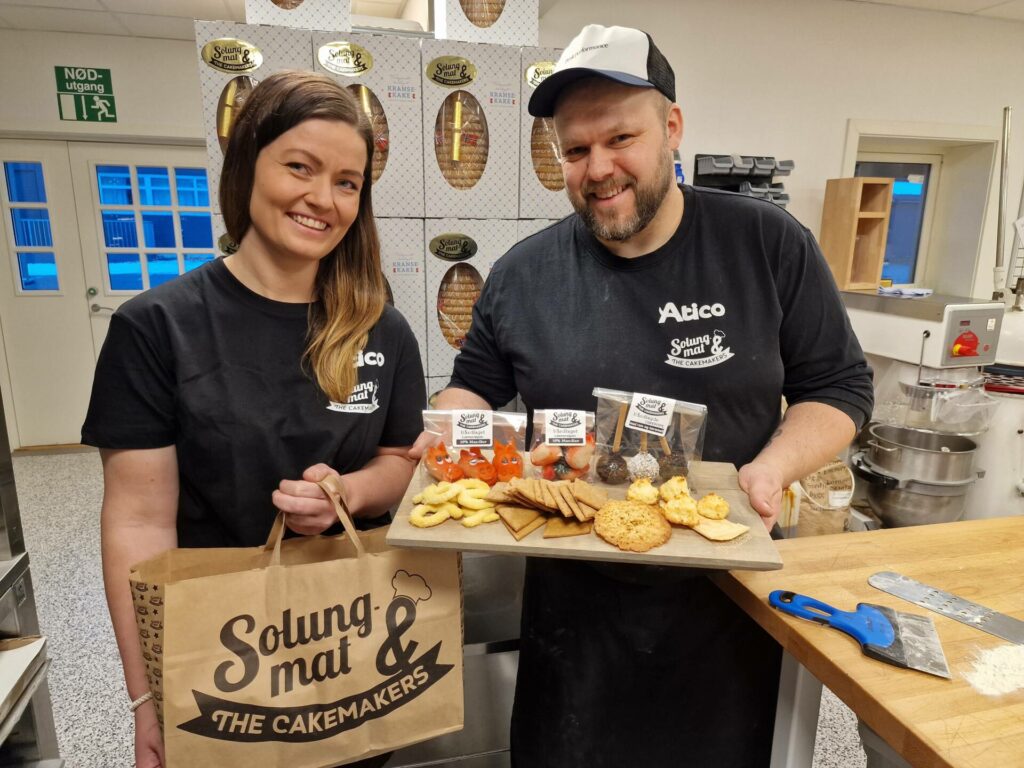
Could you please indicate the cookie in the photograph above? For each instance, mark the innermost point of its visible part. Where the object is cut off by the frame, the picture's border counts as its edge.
(713, 507)
(632, 526)
(673, 487)
(642, 491)
(682, 510)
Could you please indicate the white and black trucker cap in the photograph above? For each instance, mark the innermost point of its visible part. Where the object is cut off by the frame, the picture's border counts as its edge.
(622, 54)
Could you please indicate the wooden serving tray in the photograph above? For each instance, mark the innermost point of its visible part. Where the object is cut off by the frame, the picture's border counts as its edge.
(754, 550)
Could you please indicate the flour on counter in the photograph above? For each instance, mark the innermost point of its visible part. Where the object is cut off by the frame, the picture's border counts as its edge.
(998, 670)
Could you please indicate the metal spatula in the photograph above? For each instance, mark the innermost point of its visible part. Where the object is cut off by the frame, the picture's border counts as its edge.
(955, 607)
(902, 639)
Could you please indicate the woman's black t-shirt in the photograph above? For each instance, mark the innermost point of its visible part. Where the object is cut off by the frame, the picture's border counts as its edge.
(206, 365)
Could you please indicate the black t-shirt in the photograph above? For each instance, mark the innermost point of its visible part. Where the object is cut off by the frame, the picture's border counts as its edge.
(206, 365)
(737, 309)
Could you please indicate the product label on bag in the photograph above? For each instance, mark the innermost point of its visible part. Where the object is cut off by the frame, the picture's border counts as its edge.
(294, 652)
(565, 427)
(472, 428)
(649, 413)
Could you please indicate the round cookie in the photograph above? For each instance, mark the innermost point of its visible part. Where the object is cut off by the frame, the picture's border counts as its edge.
(631, 526)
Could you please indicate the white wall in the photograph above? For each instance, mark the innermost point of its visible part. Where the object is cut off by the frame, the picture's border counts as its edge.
(759, 77)
(782, 77)
(155, 85)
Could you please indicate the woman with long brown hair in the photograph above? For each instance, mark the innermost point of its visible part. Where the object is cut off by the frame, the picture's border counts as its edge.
(222, 396)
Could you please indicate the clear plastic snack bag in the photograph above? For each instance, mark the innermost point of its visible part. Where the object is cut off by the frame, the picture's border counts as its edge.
(564, 444)
(486, 445)
(641, 435)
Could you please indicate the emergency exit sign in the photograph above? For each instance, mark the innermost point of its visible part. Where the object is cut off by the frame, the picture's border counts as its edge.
(85, 94)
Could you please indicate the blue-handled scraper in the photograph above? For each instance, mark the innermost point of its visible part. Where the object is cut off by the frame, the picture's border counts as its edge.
(903, 639)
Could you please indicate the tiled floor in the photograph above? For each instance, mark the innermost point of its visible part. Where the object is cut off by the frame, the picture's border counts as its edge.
(60, 498)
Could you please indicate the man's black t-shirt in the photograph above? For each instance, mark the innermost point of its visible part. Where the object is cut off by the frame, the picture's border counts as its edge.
(735, 311)
(206, 365)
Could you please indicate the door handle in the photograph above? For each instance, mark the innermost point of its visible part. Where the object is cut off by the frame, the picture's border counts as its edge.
(94, 308)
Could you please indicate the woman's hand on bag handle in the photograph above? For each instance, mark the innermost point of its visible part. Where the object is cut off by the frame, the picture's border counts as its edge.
(309, 511)
(149, 742)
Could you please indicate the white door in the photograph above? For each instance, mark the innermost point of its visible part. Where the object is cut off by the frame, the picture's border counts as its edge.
(144, 214)
(83, 227)
(44, 318)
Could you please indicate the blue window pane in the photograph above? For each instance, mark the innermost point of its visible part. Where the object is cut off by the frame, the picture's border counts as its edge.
(115, 184)
(154, 186)
(196, 230)
(25, 182)
(125, 271)
(38, 272)
(161, 267)
(119, 229)
(193, 260)
(32, 226)
(193, 190)
(158, 229)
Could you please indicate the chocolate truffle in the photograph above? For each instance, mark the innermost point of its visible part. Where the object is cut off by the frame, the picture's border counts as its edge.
(611, 468)
(642, 465)
(673, 464)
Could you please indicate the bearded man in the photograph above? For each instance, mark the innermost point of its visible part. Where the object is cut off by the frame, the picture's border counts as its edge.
(627, 665)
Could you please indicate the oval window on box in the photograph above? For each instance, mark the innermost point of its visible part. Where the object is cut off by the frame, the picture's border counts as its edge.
(287, 5)
(231, 100)
(459, 291)
(371, 105)
(482, 13)
(542, 150)
(461, 139)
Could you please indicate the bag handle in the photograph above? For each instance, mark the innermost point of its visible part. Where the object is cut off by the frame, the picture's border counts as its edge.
(335, 493)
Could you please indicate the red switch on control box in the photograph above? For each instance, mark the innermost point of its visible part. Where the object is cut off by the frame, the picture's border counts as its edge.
(965, 345)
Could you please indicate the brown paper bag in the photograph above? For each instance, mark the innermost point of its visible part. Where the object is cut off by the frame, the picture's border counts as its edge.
(306, 653)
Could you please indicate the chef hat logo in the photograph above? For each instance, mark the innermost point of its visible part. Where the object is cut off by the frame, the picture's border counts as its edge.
(410, 585)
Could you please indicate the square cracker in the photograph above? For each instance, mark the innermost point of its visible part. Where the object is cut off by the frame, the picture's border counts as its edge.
(521, 491)
(548, 495)
(558, 527)
(560, 503)
(588, 494)
(526, 530)
(516, 517)
(570, 501)
(720, 530)
(499, 494)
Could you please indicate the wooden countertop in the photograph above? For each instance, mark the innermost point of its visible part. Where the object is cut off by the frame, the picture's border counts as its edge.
(928, 720)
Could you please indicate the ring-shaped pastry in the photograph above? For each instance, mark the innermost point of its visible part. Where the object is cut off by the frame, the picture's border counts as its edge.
(452, 509)
(483, 516)
(469, 500)
(427, 516)
(439, 493)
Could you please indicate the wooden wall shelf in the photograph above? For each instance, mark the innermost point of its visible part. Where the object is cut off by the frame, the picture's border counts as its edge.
(854, 227)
